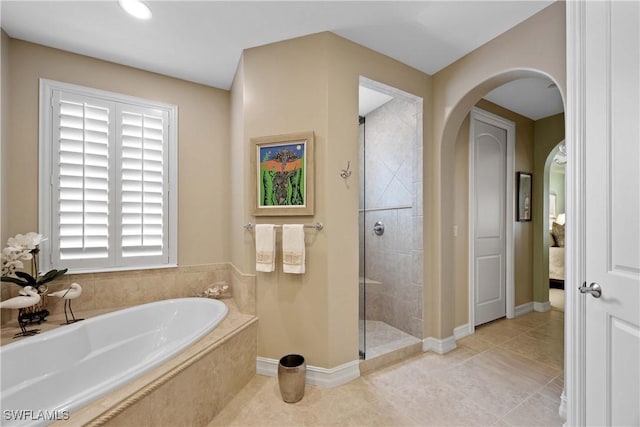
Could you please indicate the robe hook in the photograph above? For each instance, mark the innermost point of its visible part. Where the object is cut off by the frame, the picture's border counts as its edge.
(346, 173)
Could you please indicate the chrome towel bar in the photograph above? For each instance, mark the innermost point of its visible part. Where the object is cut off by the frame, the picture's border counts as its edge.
(318, 226)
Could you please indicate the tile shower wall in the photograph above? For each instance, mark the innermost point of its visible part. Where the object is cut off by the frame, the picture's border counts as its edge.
(392, 194)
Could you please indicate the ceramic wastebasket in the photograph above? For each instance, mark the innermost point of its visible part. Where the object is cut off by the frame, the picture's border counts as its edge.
(292, 371)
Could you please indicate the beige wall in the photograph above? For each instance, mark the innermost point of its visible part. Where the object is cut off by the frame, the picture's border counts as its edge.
(203, 124)
(523, 231)
(4, 117)
(239, 239)
(535, 47)
(4, 113)
(284, 89)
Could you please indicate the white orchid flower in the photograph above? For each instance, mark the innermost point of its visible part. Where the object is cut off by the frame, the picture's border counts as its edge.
(10, 254)
(27, 241)
(19, 248)
(35, 239)
(10, 266)
(25, 255)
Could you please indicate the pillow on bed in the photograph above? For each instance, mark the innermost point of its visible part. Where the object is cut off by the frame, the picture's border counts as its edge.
(557, 230)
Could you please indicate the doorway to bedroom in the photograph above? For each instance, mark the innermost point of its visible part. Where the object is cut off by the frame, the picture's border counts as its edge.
(557, 162)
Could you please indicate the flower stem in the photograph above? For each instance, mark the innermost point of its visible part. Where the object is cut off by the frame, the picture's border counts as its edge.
(34, 263)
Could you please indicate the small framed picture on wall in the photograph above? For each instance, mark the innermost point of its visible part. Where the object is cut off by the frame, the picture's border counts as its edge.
(524, 186)
(283, 166)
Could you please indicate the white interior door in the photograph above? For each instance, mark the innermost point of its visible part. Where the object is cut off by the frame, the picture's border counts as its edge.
(489, 241)
(612, 213)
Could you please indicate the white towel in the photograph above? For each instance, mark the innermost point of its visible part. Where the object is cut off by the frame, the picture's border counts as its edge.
(293, 248)
(265, 247)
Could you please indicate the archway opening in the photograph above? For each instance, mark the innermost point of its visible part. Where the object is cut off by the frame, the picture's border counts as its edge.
(531, 290)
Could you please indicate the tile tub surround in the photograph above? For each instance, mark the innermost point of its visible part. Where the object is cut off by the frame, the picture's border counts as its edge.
(189, 389)
(244, 290)
(221, 363)
(482, 382)
(103, 291)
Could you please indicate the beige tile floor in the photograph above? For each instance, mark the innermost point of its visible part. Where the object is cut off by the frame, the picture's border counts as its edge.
(508, 374)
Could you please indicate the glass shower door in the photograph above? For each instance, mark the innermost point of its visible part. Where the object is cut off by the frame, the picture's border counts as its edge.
(362, 307)
(390, 220)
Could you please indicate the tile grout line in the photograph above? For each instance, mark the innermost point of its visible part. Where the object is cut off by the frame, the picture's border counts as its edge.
(550, 381)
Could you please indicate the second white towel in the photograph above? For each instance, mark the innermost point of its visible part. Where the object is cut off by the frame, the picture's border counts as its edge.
(265, 247)
(293, 248)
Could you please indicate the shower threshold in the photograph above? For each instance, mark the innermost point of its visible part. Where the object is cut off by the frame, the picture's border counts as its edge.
(387, 345)
(383, 338)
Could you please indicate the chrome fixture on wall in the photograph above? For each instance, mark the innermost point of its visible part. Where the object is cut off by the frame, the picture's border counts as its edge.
(346, 173)
(378, 228)
(318, 226)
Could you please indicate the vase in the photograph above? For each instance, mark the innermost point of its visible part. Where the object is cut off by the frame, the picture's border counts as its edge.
(292, 377)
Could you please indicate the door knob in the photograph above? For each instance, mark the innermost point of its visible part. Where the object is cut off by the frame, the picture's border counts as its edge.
(593, 289)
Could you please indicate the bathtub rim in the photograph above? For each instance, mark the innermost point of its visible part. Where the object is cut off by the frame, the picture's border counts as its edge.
(64, 328)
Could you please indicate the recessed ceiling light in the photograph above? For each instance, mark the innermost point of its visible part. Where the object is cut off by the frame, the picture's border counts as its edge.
(136, 8)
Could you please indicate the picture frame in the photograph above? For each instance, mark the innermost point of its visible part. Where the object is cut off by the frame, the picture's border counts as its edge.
(524, 186)
(283, 168)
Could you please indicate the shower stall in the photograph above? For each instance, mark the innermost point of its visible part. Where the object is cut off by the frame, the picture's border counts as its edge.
(390, 219)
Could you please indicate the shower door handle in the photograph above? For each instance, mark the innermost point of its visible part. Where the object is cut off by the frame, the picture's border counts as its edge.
(378, 228)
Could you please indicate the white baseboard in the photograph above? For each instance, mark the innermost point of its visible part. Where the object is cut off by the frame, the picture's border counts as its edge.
(532, 306)
(321, 377)
(541, 306)
(266, 367)
(523, 309)
(462, 331)
(562, 409)
(440, 346)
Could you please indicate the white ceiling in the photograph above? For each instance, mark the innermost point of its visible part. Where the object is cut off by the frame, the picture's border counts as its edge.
(370, 100)
(534, 98)
(201, 41)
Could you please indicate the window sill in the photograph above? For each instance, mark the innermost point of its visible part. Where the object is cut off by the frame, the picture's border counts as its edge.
(119, 269)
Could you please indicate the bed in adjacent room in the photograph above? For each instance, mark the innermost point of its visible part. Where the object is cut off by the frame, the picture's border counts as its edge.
(556, 256)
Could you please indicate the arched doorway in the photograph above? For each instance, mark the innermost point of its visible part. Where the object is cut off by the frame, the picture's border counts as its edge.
(453, 261)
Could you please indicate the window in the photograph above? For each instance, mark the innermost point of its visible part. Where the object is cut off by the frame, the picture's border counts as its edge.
(108, 180)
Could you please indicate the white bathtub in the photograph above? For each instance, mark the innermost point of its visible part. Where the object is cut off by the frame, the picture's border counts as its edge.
(47, 376)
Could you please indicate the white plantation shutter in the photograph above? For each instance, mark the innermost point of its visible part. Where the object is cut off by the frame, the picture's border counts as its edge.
(107, 198)
(82, 136)
(143, 171)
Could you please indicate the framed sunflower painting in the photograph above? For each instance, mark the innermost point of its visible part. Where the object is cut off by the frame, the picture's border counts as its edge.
(284, 174)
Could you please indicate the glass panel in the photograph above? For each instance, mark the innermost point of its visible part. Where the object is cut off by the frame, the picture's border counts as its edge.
(362, 259)
(390, 220)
